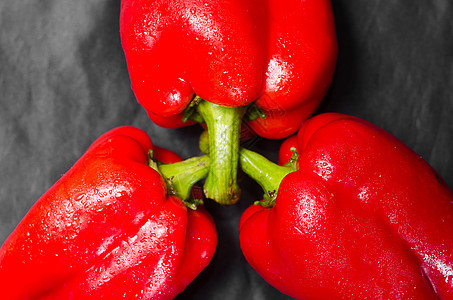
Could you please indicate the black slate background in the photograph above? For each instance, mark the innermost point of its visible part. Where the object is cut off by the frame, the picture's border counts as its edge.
(64, 82)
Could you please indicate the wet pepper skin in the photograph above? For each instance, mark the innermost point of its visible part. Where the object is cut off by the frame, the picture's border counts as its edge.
(107, 230)
(279, 54)
(364, 217)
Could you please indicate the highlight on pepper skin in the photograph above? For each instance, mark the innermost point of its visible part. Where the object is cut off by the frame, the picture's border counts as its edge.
(362, 216)
(109, 228)
(228, 59)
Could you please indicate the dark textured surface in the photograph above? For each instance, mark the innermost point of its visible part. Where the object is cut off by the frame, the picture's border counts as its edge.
(64, 81)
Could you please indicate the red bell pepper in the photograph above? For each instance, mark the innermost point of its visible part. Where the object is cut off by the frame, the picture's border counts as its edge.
(278, 55)
(363, 217)
(109, 229)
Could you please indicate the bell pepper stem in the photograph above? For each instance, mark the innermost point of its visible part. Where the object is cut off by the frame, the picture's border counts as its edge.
(181, 176)
(224, 125)
(266, 173)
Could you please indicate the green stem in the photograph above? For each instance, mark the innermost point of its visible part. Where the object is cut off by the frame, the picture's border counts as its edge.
(181, 176)
(224, 125)
(203, 142)
(266, 173)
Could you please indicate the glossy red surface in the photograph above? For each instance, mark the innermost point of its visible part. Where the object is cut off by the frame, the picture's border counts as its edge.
(363, 217)
(232, 53)
(108, 229)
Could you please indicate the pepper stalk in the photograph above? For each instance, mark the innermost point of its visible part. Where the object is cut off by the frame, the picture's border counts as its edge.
(181, 176)
(224, 126)
(266, 173)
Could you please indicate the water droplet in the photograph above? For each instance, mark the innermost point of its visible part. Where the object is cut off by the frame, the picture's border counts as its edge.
(79, 197)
